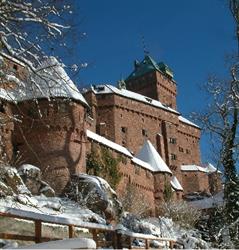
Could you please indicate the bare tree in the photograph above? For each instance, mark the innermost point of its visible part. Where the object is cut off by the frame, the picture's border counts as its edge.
(221, 119)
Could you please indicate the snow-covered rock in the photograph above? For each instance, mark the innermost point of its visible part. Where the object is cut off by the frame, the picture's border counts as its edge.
(26, 200)
(96, 194)
(135, 224)
(32, 177)
(10, 177)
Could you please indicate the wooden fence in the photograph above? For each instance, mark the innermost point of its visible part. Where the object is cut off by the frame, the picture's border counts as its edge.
(116, 238)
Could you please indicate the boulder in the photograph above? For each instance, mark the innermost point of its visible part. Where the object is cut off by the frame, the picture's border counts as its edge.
(31, 176)
(10, 177)
(96, 194)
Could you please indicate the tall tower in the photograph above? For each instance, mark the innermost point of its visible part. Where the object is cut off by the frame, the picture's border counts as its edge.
(154, 80)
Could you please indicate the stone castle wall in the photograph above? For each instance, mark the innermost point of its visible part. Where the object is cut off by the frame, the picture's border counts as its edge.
(129, 123)
(52, 136)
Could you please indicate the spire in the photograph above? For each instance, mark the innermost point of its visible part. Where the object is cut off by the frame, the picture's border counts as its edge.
(149, 154)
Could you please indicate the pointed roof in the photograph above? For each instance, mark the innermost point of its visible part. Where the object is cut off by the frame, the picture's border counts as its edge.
(176, 184)
(148, 64)
(150, 155)
(211, 169)
(49, 80)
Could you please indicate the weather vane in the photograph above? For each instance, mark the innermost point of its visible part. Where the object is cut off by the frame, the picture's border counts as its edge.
(146, 51)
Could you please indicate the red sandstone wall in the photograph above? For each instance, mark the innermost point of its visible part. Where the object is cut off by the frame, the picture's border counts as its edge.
(130, 122)
(166, 90)
(195, 181)
(156, 86)
(54, 142)
(189, 142)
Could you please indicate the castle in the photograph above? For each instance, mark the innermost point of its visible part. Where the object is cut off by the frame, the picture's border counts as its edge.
(54, 127)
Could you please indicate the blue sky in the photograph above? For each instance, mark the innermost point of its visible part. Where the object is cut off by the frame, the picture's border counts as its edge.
(192, 37)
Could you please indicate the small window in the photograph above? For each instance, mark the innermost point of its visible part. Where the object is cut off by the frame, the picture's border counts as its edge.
(2, 108)
(180, 149)
(123, 129)
(15, 67)
(144, 132)
(173, 157)
(187, 151)
(172, 140)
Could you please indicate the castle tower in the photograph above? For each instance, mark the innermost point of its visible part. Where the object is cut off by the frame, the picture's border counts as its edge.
(51, 134)
(154, 80)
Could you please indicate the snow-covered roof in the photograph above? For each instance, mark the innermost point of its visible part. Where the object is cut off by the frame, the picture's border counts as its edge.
(193, 168)
(207, 168)
(158, 164)
(150, 155)
(176, 184)
(108, 89)
(142, 164)
(183, 119)
(108, 143)
(50, 80)
(211, 169)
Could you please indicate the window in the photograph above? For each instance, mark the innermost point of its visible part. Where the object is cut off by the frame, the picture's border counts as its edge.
(2, 107)
(172, 140)
(187, 151)
(144, 132)
(137, 170)
(173, 157)
(180, 149)
(123, 129)
(15, 67)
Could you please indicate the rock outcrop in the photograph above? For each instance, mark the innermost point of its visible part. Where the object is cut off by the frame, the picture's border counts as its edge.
(96, 194)
(24, 181)
(31, 176)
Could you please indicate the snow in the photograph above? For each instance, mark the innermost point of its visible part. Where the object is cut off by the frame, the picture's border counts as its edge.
(100, 139)
(183, 119)
(142, 164)
(77, 243)
(176, 184)
(51, 80)
(208, 168)
(100, 182)
(193, 168)
(155, 164)
(108, 89)
(150, 155)
(211, 169)
(26, 168)
(46, 210)
(209, 202)
(13, 59)
(6, 95)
